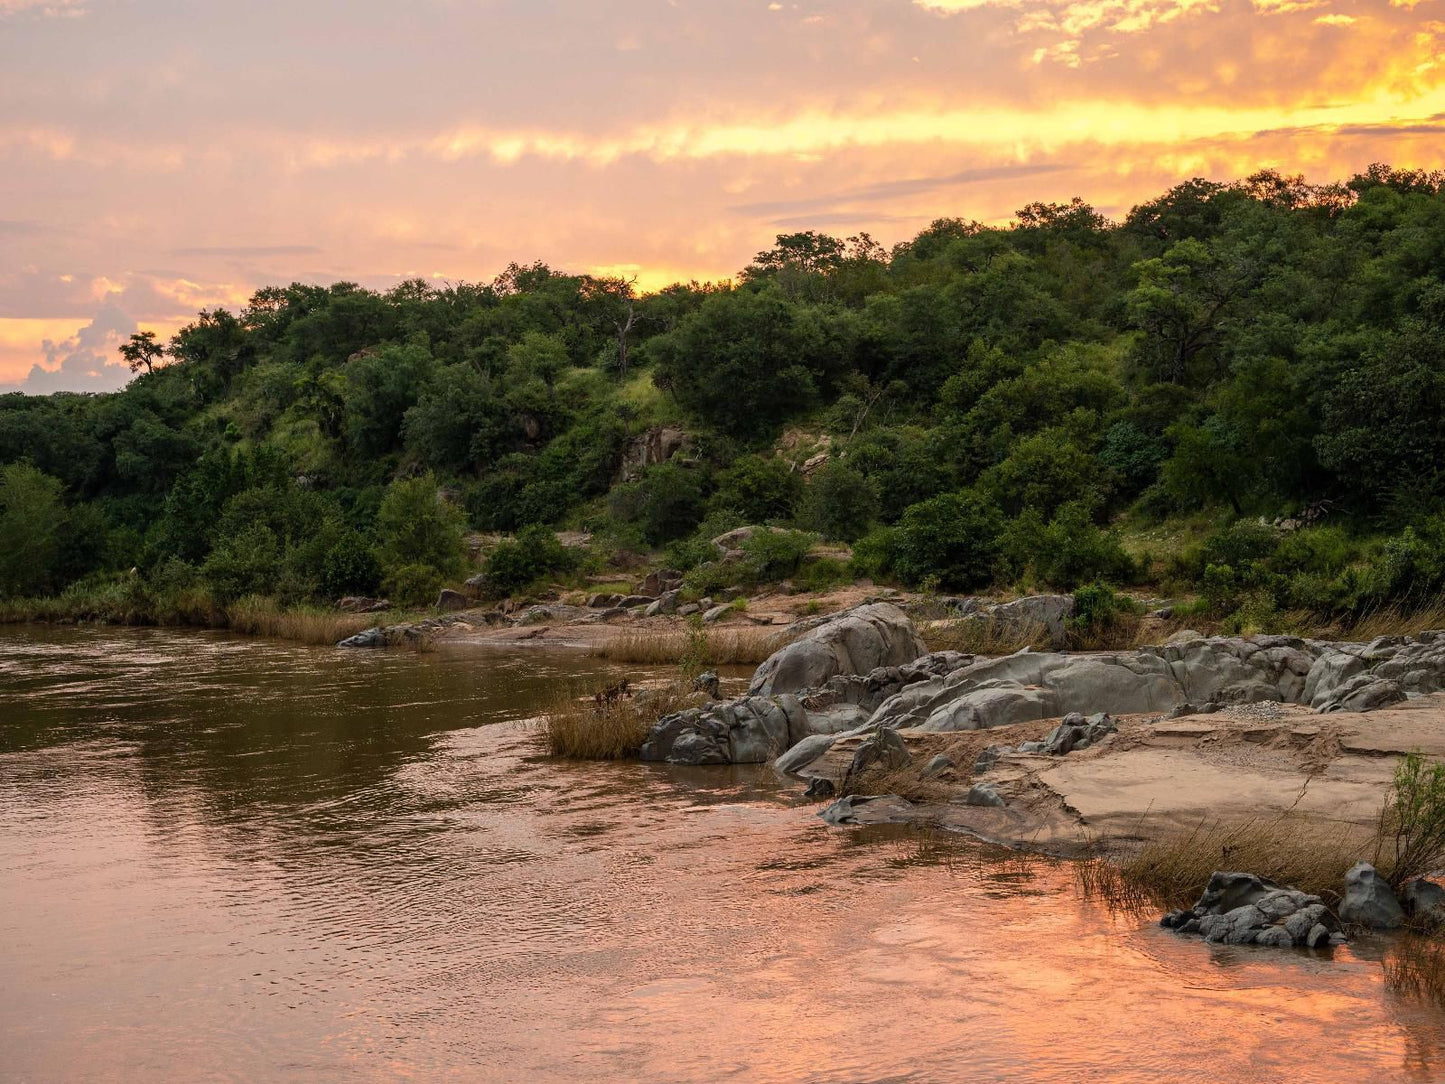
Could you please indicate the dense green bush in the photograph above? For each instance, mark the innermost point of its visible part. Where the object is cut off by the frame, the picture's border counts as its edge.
(416, 525)
(413, 585)
(1067, 551)
(534, 553)
(952, 540)
(666, 503)
(772, 555)
(839, 503)
(759, 489)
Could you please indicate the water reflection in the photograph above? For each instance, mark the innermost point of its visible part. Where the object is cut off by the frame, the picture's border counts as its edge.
(244, 860)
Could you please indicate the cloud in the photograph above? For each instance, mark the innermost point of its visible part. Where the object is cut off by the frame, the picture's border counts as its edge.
(50, 9)
(248, 251)
(892, 190)
(83, 361)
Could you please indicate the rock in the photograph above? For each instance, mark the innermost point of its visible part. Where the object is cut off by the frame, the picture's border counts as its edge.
(814, 463)
(856, 642)
(717, 613)
(984, 794)
(804, 753)
(987, 758)
(1423, 899)
(657, 445)
(666, 603)
(629, 601)
(868, 809)
(603, 602)
(451, 601)
(885, 749)
(819, 789)
(1368, 900)
(689, 609)
(1184, 636)
(937, 765)
(750, 730)
(1023, 616)
(730, 543)
(708, 682)
(1363, 692)
(1319, 936)
(1076, 732)
(370, 638)
(1242, 909)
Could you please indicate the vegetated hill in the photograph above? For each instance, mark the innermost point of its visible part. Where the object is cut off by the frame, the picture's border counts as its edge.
(1027, 404)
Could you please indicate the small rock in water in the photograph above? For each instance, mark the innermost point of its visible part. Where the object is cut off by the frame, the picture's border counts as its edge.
(1423, 899)
(1243, 909)
(820, 788)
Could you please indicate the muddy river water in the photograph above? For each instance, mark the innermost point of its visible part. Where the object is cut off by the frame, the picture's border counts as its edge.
(228, 859)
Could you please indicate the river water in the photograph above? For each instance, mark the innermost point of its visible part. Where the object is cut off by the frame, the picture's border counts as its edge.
(227, 859)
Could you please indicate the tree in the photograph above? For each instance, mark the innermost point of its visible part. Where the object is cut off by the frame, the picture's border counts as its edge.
(32, 523)
(142, 350)
(615, 301)
(416, 525)
(952, 540)
(839, 503)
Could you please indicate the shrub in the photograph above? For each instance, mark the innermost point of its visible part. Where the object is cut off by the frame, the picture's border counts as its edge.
(758, 489)
(824, 574)
(1098, 606)
(1069, 551)
(246, 563)
(953, 538)
(874, 553)
(839, 503)
(665, 503)
(1411, 839)
(769, 556)
(350, 567)
(413, 585)
(418, 526)
(534, 553)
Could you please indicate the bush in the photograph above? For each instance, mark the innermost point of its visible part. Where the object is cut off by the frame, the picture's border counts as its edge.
(769, 556)
(1412, 823)
(1098, 607)
(1069, 551)
(665, 503)
(952, 539)
(247, 563)
(758, 489)
(824, 574)
(413, 585)
(534, 553)
(418, 526)
(697, 549)
(839, 503)
(350, 567)
(874, 553)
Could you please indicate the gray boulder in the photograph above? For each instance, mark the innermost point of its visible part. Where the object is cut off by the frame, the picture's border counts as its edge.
(856, 642)
(370, 638)
(451, 601)
(751, 730)
(804, 753)
(1076, 732)
(937, 766)
(983, 794)
(1423, 899)
(885, 750)
(868, 809)
(1363, 692)
(1368, 900)
(1242, 909)
(716, 613)
(666, 603)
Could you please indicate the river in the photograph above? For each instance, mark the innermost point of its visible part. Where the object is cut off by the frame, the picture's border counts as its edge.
(234, 859)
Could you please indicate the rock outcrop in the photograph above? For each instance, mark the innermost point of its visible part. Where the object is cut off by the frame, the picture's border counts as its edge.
(1242, 909)
(750, 730)
(856, 642)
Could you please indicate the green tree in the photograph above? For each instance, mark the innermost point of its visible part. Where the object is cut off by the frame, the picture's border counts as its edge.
(951, 540)
(840, 503)
(32, 529)
(416, 525)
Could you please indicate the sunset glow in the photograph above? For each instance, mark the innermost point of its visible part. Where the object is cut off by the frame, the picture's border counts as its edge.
(157, 160)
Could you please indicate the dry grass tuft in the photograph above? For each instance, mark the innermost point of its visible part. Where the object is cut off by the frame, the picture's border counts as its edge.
(672, 646)
(594, 727)
(263, 617)
(1396, 621)
(1172, 871)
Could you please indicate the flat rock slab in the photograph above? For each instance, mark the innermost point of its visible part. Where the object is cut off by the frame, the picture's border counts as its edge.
(1180, 786)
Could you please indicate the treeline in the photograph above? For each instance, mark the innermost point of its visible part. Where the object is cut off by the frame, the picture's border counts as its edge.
(997, 405)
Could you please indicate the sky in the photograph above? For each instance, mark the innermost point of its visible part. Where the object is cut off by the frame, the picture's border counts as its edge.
(158, 157)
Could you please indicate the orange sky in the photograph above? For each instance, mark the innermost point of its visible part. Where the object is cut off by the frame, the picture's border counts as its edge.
(157, 156)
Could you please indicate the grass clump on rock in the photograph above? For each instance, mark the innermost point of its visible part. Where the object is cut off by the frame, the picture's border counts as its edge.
(611, 723)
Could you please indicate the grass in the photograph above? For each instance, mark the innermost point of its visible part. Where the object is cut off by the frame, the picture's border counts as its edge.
(669, 646)
(1126, 632)
(307, 625)
(1171, 872)
(593, 727)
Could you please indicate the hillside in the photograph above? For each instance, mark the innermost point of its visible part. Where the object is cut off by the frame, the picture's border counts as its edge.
(1236, 393)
